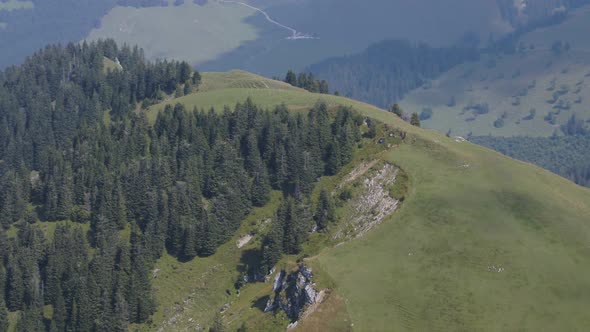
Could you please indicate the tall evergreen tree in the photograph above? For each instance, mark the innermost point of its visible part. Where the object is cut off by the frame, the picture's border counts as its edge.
(415, 120)
(3, 316)
(325, 210)
(291, 78)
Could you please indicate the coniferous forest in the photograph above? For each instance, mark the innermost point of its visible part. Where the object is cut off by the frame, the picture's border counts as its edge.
(74, 146)
(387, 70)
(564, 155)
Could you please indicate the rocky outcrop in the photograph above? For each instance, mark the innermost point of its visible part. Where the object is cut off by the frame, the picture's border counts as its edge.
(372, 204)
(243, 240)
(293, 292)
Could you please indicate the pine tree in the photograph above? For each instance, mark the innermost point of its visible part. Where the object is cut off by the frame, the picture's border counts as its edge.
(209, 235)
(252, 159)
(291, 78)
(190, 246)
(415, 121)
(2, 273)
(196, 78)
(372, 132)
(3, 316)
(119, 206)
(289, 217)
(333, 161)
(185, 72)
(14, 285)
(397, 110)
(179, 92)
(30, 320)
(58, 322)
(121, 312)
(325, 210)
(141, 302)
(272, 246)
(324, 87)
(188, 88)
(261, 188)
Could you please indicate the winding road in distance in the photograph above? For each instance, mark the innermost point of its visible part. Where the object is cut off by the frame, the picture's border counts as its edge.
(294, 33)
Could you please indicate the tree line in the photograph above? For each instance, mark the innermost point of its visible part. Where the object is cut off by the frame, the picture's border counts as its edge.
(563, 155)
(387, 70)
(307, 81)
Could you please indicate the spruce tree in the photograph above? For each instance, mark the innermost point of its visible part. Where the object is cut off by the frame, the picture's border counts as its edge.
(121, 313)
(334, 158)
(188, 88)
(289, 218)
(3, 316)
(415, 120)
(291, 78)
(30, 320)
(397, 110)
(325, 210)
(14, 285)
(272, 246)
(58, 321)
(261, 187)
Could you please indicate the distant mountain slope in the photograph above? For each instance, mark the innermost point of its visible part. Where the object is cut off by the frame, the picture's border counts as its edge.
(565, 155)
(529, 93)
(387, 70)
(225, 35)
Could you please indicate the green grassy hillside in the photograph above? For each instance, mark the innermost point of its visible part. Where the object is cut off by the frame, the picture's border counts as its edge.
(238, 79)
(535, 78)
(227, 89)
(481, 242)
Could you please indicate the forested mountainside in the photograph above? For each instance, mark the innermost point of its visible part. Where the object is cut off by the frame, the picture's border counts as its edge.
(118, 191)
(526, 97)
(386, 71)
(565, 155)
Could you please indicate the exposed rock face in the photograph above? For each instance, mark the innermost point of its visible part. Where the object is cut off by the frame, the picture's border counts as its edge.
(373, 204)
(278, 281)
(293, 292)
(243, 240)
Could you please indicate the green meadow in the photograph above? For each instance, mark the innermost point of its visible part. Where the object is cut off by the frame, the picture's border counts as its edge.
(189, 32)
